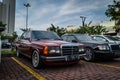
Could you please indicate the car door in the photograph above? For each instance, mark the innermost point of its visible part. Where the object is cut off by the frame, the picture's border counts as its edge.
(21, 42)
(27, 44)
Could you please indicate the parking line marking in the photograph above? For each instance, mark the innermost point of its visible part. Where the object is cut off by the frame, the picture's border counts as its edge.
(105, 65)
(36, 75)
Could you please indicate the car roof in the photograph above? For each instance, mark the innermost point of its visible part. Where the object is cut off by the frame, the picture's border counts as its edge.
(75, 34)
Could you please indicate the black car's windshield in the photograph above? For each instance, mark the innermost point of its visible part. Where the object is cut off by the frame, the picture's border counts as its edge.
(38, 35)
(112, 38)
(83, 37)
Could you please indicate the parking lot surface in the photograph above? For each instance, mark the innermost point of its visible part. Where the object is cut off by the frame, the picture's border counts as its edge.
(13, 68)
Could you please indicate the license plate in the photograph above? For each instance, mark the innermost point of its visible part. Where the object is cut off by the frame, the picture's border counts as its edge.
(72, 58)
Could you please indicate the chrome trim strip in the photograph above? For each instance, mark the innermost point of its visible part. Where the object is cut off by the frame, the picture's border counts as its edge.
(60, 58)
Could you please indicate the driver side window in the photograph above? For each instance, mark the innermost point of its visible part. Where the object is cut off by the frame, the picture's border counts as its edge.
(70, 38)
(100, 38)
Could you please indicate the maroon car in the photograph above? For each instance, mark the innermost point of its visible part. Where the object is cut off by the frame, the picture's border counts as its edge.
(45, 47)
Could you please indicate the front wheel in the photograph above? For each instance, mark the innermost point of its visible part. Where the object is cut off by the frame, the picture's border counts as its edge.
(36, 61)
(89, 55)
(18, 54)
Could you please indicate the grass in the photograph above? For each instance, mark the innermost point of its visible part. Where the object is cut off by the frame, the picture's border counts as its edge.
(8, 51)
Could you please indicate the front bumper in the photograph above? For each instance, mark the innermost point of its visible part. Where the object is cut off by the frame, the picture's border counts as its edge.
(116, 53)
(63, 58)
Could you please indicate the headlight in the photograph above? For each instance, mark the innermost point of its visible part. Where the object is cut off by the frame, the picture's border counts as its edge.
(54, 50)
(103, 47)
(81, 49)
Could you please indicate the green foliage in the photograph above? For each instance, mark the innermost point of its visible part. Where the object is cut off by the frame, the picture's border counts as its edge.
(2, 27)
(113, 10)
(58, 30)
(1, 24)
(90, 30)
(11, 38)
(24, 29)
(8, 51)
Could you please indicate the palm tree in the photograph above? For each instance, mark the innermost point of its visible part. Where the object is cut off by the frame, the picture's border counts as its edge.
(58, 30)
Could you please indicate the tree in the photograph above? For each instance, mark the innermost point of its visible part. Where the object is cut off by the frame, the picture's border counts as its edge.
(58, 30)
(2, 26)
(52, 28)
(113, 10)
(90, 30)
(24, 29)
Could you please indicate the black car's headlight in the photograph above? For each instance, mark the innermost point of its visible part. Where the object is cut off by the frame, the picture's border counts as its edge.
(103, 47)
(81, 49)
(54, 49)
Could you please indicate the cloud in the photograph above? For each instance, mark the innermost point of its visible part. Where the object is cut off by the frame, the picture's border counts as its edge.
(42, 13)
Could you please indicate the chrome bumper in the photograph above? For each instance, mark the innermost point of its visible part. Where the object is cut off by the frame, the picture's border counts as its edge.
(63, 58)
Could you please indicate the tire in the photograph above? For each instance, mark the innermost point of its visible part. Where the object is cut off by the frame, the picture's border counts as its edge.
(36, 61)
(89, 55)
(18, 54)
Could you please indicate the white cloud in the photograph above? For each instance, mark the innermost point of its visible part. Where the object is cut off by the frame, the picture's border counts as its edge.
(42, 14)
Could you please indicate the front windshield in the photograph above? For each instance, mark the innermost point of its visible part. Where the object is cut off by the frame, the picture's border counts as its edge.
(112, 38)
(83, 37)
(38, 35)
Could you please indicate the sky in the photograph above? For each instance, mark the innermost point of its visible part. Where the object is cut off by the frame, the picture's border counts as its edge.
(62, 13)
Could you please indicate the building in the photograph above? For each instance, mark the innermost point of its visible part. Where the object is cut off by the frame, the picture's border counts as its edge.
(7, 14)
(110, 26)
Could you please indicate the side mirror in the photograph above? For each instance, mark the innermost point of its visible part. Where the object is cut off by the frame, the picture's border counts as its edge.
(75, 41)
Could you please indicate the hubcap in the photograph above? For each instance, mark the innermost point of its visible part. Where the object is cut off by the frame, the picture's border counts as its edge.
(17, 53)
(35, 59)
(88, 55)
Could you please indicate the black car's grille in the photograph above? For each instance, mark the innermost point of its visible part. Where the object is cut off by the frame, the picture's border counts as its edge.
(115, 47)
(70, 50)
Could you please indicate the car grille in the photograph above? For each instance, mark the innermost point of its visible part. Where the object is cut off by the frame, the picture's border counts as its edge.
(70, 50)
(115, 47)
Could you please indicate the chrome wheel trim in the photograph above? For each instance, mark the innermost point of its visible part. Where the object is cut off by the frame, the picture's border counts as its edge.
(35, 59)
(88, 55)
(18, 54)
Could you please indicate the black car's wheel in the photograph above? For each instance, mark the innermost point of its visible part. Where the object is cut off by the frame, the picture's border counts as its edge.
(36, 61)
(89, 55)
(18, 54)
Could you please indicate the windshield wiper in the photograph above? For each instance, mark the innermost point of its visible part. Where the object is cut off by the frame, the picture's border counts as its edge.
(58, 39)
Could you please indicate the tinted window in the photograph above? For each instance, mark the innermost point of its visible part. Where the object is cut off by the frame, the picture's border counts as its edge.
(83, 37)
(71, 38)
(23, 36)
(98, 38)
(64, 38)
(37, 35)
(27, 35)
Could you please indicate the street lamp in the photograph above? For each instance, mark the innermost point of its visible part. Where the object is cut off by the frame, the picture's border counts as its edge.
(27, 5)
(83, 22)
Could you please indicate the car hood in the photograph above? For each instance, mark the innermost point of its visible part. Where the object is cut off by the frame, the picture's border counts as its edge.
(115, 42)
(53, 42)
(94, 42)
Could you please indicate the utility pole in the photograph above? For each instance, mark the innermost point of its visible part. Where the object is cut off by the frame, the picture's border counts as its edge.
(27, 5)
(83, 23)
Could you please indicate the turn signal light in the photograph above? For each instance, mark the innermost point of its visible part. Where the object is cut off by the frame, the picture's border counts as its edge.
(46, 50)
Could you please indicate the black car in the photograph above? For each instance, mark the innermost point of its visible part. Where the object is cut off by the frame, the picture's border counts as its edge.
(94, 49)
(5, 44)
